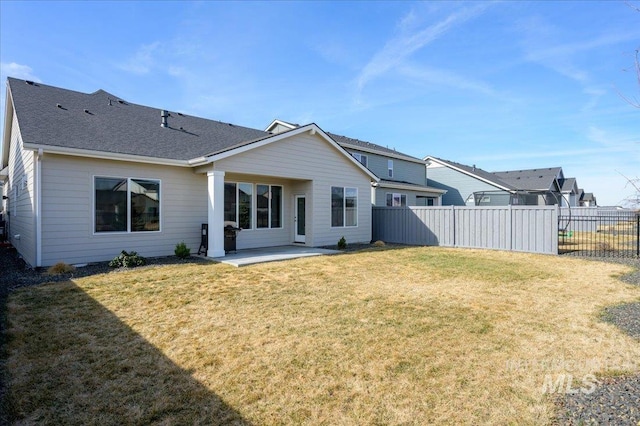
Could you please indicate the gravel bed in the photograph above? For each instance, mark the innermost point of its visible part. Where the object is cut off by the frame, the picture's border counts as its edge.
(615, 400)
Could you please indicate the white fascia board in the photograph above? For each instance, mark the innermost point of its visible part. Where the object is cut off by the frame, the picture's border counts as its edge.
(312, 128)
(382, 153)
(8, 124)
(410, 187)
(4, 172)
(280, 122)
(442, 163)
(105, 155)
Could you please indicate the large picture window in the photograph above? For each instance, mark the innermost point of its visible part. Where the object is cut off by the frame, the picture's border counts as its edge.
(344, 206)
(268, 206)
(126, 205)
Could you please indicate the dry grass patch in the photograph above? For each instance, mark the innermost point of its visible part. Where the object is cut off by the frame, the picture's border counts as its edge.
(412, 336)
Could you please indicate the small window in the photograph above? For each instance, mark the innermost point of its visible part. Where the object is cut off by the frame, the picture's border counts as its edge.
(485, 199)
(344, 206)
(396, 200)
(390, 167)
(361, 158)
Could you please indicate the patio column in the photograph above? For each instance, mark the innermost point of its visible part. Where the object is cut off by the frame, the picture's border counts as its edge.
(215, 191)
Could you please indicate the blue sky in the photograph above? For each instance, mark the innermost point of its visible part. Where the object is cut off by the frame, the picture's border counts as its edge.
(502, 85)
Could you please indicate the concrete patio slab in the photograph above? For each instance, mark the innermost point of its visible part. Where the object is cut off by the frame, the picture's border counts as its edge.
(271, 254)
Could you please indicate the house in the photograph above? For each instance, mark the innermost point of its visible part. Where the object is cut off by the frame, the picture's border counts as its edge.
(403, 180)
(587, 199)
(470, 185)
(570, 193)
(544, 184)
(87, 175)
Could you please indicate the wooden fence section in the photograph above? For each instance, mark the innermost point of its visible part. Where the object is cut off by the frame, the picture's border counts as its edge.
(519, 228)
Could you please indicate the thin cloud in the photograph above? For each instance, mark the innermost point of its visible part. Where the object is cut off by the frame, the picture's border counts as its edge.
(13, 69)
(560, 57)
(400, 48)
(142, 61)
(440, 78)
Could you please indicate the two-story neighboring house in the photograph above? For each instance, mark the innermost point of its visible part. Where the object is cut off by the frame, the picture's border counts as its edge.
(403, 180)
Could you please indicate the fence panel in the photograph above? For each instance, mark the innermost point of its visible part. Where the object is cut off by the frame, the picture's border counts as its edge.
(520, 228)
(599, 232)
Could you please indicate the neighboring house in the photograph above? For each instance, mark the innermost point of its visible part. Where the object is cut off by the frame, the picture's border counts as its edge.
(469, 185)
(570, 193)
(544, 183)
(587, 199)
(403, 180)
(89, 175)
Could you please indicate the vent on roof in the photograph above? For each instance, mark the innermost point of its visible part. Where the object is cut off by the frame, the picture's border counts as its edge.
(164, 114)
(88, 112)
(109, 101)
(181, 114)
(120, 101)
(61, 107)
(29, 82)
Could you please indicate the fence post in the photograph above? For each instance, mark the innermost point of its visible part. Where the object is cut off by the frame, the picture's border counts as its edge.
(510, 227)
(453, 223)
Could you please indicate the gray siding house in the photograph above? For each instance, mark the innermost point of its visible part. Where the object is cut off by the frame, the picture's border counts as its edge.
(403, 180)
(469, 185)
(88, 175)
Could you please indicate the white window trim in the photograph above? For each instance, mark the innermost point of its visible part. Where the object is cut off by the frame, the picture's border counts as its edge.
(344, 206)
(128, 231)
(269, 206)
(254, 214)
(360, 158)
(390, 168)
(393, 197)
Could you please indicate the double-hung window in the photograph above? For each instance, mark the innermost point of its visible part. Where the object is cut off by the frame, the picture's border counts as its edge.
(268, 206)
(126, 204)
(390, 168)
(344, 206)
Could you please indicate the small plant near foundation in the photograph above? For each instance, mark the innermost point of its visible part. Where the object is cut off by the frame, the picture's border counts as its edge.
(379, 243)
(182, 251)
(60, 268)
(127, 260)
(342, 243)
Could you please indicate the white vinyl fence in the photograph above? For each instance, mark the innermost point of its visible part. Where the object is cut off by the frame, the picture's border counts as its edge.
(519, 228)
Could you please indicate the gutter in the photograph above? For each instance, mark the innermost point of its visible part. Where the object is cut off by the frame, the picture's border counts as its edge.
(105, 155)
(37, 183)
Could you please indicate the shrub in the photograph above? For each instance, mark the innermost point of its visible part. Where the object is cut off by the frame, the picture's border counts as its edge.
(342, 243)
(182, 251)
(60, 268)
(127, 260)
(379, 243)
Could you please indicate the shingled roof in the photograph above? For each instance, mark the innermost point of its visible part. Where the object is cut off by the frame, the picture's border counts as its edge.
(531, 179)
(103, 122)
(477, 172)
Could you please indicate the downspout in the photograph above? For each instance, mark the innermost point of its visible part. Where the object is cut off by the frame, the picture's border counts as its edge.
(37, 183)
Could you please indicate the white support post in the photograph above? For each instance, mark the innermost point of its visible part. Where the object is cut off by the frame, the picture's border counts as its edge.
(215, 186)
